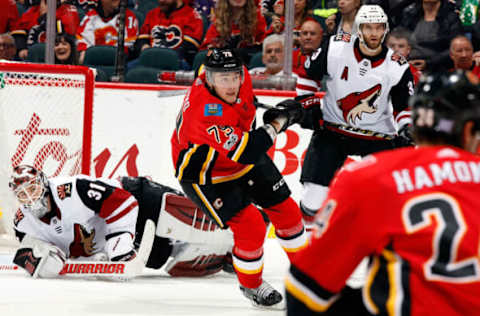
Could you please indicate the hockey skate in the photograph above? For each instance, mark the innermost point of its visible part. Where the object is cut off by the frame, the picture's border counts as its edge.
(264, 296)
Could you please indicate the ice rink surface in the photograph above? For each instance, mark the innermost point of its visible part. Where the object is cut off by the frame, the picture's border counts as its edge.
(154, 293)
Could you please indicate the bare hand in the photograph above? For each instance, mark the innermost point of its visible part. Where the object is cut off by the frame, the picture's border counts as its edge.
(144, 46)
(330, 22)
(23, 54)
(277, 25)
(418, 63)
(476, 58)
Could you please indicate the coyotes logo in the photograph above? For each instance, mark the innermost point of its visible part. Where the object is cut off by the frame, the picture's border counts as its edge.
(82, 244)
(357, 103)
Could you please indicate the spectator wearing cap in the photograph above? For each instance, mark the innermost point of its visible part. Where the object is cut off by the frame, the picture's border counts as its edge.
(272, 56)
(461, 53)
(8, 50)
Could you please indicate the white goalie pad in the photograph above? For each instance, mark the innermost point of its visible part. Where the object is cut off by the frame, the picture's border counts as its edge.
(181, 219)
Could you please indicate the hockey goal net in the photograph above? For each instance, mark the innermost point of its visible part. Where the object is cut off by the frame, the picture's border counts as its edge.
(46, 122)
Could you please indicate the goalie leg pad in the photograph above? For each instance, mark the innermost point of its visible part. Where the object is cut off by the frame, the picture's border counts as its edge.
(39, 258)
(181, 219)
(194, 260)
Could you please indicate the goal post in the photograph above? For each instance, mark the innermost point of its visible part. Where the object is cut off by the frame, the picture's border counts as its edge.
(46, 116)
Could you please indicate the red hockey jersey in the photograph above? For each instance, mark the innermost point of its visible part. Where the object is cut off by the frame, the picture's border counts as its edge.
(416, 213)
(183, 24)
(212, 135)
(94, 30)
(212, 36)
(8, 15)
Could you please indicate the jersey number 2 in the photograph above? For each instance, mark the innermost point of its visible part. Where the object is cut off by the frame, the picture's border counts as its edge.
(451, 227)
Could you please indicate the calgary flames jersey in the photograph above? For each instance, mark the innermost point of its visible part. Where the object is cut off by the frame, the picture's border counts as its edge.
(169, 31)
(212, 140)
(86, 210)
(417, 219)
(94, 30)
(367, 93)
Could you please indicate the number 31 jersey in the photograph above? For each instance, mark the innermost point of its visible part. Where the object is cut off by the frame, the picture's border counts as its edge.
(86, 211)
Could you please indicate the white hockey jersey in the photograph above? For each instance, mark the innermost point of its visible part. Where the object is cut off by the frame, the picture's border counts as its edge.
(367, 93)
(86, 211)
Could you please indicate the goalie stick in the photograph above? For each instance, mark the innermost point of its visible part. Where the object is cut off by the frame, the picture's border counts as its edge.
(104, 269)
(126, 269)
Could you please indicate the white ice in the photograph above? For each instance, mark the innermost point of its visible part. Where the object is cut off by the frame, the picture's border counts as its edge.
(154, 293)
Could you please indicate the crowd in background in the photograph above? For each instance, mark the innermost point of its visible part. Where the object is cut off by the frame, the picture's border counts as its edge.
(432, 34)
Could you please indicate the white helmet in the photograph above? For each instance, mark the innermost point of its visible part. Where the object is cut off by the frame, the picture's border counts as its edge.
(370, 13)
(30, 187)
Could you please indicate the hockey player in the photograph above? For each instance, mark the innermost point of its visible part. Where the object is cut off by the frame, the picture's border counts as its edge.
(417, 218)
(85, 218)
(222, 165)
(365, 105)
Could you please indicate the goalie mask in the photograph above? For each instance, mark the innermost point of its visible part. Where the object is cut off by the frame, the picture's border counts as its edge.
(30, 187)
(443, 104)
(370, 14)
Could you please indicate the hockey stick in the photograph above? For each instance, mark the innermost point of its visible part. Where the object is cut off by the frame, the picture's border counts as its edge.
(127, 269)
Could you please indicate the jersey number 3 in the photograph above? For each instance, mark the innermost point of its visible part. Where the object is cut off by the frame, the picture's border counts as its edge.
(451, 227)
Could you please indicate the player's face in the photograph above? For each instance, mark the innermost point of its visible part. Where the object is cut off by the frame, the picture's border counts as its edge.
(461, 52)
(399, 45)
(310, 37)
(373, 34)
(29, 193)
(227, 85)
(62, 50)
(273, 55)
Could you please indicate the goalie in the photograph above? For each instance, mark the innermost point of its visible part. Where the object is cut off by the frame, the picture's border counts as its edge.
(98, 219)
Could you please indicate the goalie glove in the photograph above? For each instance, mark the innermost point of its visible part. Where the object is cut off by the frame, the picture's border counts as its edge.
(39, 258)
(285, 113)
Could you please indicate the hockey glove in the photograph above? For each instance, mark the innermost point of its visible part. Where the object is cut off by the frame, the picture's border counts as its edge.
(39, 258)
(313, 116)
(287, 112)
(404, 138)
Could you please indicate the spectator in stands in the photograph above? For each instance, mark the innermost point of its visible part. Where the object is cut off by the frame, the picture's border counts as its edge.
(31, 27)
(205, 8)
(301, 8)
(173, 25)
(238, 24)
(65, 49)
(272, 56)
(99, 27)
(311, 34)
(8, 15)
(399, 41)
(342, 21)
(433, 24)
(461, 52)
(8, 50)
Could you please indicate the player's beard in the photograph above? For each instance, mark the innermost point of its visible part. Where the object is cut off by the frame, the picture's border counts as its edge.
(372, 46)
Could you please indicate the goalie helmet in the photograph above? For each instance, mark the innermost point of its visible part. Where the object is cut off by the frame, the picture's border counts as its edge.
(30, 187)
(222, 60)
(370, 14)
(442, 104)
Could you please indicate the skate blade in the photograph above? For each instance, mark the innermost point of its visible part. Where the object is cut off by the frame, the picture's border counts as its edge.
(279, 306)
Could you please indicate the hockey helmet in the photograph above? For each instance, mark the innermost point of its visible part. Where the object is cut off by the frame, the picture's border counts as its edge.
(443, 103)
(370, 13)
(222, 60)
(30, 187)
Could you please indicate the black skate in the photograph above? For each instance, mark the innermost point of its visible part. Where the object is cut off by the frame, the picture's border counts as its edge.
(264, 296)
